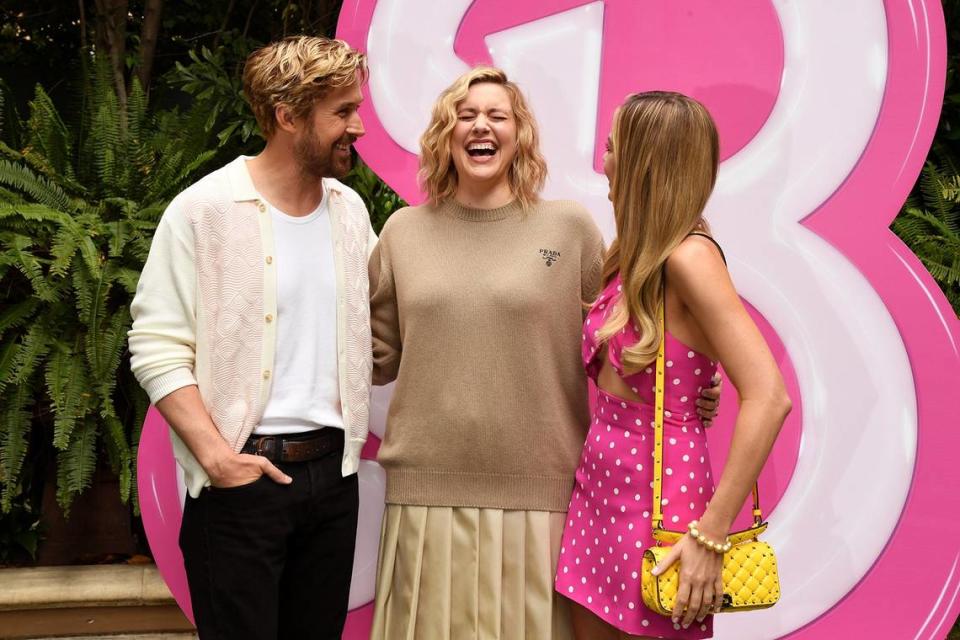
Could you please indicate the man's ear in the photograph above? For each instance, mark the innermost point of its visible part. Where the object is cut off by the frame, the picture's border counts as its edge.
(285, 118)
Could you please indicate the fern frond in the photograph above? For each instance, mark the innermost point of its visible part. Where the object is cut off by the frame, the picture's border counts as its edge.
(42, 190)
(48, 134)
(19, 256)
(34, 346)
(17, 314)
(76, 464)
(128, 279)
(68, 386)
(119, 454)
(14, 432)
(104, 349)
(8, 356)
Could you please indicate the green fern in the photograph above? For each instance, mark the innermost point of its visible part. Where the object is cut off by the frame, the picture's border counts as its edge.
(80, 199)
(930, 225)
(14, 436)
(76, 464)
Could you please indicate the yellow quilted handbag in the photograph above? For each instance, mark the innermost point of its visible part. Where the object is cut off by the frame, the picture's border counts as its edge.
(750, 579)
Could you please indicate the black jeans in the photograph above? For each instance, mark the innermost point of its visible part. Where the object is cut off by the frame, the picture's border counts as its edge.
(267, 561)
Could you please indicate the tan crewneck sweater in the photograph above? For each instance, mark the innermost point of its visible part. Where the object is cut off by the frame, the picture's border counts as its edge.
(477, 315)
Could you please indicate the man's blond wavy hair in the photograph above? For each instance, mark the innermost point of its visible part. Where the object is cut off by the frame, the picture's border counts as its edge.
(296, 72)
(438, 175)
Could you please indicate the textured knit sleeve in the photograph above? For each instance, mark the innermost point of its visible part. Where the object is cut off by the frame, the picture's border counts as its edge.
(384, 315)
(591, 262)
(163, 336)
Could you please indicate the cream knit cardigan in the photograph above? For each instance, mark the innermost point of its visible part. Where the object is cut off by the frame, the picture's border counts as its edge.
(206, 303)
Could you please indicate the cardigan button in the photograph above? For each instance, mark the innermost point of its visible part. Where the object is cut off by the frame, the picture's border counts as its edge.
(266, 374)
(269, 259)
(262, 207)
(268, 318)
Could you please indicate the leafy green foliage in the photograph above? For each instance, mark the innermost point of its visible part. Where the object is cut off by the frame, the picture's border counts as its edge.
(930, 225)
(380, 199)
(80, 198)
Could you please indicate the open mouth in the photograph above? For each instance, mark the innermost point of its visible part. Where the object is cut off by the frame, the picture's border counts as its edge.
(481, 149)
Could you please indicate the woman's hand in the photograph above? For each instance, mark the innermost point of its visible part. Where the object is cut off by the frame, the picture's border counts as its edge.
(701, 584)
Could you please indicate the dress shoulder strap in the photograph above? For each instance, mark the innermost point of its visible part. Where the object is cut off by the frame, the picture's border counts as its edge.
(711, 239)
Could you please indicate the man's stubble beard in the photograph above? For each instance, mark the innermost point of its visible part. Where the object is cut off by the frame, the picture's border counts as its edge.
(317, 163)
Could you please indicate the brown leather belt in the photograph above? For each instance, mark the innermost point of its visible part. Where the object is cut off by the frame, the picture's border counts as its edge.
(299, 447)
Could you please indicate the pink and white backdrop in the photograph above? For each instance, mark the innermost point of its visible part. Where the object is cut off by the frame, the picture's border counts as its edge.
(826, 111)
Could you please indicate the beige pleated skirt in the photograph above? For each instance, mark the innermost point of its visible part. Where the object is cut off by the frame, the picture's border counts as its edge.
(453, 573)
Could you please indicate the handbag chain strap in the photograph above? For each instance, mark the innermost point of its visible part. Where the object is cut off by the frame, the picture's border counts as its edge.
(657, 518)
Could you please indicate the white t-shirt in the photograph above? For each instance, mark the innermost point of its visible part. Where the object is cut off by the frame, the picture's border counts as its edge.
(305, 393)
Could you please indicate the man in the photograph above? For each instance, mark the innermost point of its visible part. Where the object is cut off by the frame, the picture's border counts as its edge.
(251, 335)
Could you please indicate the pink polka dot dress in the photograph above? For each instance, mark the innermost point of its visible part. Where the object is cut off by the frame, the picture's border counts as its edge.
(608, 523)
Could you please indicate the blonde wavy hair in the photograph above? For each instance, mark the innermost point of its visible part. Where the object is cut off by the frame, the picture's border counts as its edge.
(438, 176)
(296, 72)
(666, 151)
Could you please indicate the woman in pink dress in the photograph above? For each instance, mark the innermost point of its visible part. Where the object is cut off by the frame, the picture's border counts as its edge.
(661, 161)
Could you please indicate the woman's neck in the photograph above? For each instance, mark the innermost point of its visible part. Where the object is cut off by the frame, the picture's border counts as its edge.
(484, 195)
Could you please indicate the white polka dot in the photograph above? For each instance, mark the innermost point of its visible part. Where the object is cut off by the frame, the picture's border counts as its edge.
(669, 471)
(692, 506)
(689, 354)
(616, 417)
(645, 623)
(683, 488)
(589, 599)
(692, 475)
(669, 363)
(684, 398)
(686, 458)
(673, 441)
(649, 370)
(676, 381)
(570, 589)
(631, 605)
(675, 519)
(696, 371)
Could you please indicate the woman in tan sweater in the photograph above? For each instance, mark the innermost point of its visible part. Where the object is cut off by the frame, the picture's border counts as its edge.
(476, 308)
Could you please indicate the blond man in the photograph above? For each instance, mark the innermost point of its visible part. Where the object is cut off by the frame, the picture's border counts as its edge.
(251, 335)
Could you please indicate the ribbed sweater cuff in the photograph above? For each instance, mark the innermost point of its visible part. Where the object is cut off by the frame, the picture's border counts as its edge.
(165, 384)
(481, 490)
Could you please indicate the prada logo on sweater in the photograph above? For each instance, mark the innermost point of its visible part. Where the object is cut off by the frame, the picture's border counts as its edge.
(549, 256)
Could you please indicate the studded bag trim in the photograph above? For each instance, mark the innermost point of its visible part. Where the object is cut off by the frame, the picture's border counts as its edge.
(750, 578)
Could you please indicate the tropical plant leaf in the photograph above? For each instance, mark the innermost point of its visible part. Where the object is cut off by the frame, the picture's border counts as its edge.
(48, 134)
(20, 178)
(17, 314)
(76, 464)
(14, 436)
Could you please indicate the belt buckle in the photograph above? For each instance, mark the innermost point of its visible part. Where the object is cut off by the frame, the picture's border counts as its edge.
(267, 447)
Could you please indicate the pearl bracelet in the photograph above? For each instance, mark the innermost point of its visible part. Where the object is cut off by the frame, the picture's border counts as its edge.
(716, 547)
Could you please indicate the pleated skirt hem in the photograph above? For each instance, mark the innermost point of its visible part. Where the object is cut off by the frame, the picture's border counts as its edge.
(454, 573)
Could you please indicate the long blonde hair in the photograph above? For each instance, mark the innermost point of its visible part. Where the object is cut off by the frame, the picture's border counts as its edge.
(438, 176)
(666, 151)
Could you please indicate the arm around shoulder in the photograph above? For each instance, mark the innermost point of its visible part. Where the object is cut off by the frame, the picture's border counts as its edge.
(384, 314)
